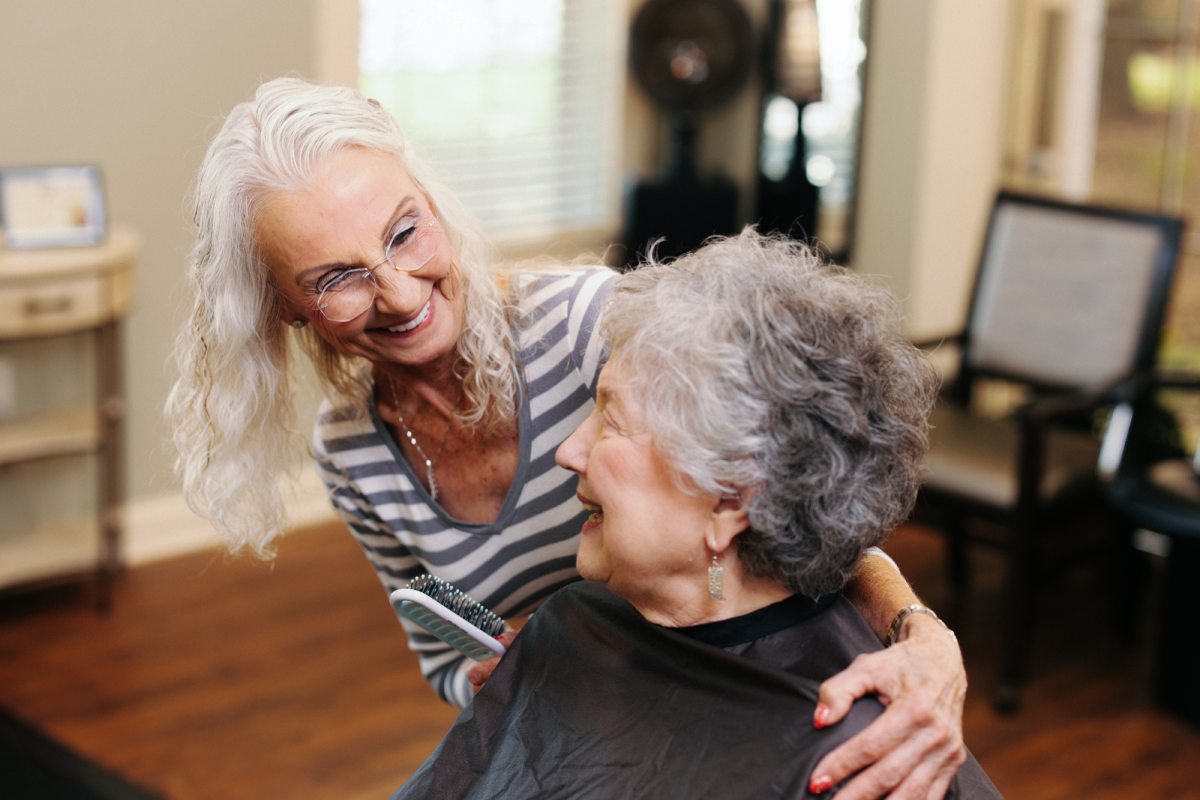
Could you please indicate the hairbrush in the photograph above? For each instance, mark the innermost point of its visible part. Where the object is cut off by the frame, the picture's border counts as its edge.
(451, 615)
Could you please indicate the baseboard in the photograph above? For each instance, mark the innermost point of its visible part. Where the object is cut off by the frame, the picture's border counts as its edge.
(163, 526)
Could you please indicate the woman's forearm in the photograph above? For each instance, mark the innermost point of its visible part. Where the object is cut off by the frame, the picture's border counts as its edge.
(879, 591)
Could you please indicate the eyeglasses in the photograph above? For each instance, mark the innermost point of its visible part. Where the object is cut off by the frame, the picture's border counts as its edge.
(347, 294)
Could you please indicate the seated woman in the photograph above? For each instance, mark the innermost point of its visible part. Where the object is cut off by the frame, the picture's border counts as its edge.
(759, 423)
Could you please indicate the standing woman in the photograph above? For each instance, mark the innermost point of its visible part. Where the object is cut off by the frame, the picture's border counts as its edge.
(450, 383)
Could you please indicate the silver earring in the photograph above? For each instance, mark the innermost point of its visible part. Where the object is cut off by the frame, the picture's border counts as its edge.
(716, 580)
(298, 323)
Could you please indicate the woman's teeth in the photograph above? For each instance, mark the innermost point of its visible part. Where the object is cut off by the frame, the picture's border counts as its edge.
(596, 512)
(408, 326)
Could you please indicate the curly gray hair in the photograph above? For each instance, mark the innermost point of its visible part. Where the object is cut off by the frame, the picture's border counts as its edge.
(230, 410)
(767, 372)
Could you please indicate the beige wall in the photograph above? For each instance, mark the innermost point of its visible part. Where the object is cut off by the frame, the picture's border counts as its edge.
(137, 86)
(932, 149)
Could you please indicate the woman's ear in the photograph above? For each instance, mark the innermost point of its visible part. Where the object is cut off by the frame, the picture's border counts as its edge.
(730, 517)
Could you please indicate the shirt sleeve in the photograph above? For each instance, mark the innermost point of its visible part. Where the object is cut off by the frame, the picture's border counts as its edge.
(443, 667)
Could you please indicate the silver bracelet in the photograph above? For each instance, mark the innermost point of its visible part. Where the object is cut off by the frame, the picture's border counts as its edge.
(905, 613)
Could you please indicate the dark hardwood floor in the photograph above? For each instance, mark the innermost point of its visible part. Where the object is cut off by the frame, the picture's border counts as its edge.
(214, 677)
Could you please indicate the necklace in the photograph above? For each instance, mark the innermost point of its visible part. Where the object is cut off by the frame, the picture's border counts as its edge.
(412, 439)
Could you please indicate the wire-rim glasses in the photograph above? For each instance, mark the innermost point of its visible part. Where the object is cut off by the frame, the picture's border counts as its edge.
(347, 294)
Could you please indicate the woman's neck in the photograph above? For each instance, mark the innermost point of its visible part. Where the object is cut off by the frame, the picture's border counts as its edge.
(434, 385)
(687, 602)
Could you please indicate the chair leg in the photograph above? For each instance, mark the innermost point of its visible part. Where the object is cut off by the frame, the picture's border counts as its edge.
(1177, 656)
(1129, 570)
(956, 553)
(1017, 633)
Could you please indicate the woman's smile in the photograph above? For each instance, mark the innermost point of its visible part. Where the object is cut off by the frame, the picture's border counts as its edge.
(423, 316)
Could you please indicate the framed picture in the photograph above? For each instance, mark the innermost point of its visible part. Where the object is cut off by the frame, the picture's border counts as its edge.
(59, 206)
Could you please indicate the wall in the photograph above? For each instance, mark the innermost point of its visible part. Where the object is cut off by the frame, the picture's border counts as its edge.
(932, 147)
(138, 87)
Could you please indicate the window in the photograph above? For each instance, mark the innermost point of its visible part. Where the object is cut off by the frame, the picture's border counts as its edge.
(1135, 135)
(1148, 148)
(516, 103)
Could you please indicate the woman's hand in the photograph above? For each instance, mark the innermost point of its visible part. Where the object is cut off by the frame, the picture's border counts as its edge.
(479, 672)
(914, 748)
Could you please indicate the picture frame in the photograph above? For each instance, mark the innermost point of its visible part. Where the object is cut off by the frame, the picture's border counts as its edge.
(52, 206)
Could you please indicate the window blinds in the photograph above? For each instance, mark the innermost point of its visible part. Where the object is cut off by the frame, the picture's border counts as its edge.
(515, 102)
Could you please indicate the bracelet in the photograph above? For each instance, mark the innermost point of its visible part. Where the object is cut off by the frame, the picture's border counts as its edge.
(905, 613)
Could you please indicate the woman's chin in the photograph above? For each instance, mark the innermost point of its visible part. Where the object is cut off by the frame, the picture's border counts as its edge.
(588, 568)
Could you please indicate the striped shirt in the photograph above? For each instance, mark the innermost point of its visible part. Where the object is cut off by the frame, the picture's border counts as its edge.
(516, 562)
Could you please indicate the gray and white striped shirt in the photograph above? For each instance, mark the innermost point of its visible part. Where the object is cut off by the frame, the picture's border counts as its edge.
(514, 563)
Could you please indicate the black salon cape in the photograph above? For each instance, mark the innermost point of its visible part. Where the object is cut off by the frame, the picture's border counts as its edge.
(593, 701)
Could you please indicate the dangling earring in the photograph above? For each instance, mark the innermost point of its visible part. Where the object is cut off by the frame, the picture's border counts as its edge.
(716, 579)
(298, 323)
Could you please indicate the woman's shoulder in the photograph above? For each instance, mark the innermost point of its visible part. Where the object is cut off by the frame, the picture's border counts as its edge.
(540, 286)
(560, 308)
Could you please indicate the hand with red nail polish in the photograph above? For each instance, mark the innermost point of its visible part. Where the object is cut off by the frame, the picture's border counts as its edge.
(915, 748)
(820, 784)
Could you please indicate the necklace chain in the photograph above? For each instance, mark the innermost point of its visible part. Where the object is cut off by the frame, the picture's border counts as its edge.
(412, 439)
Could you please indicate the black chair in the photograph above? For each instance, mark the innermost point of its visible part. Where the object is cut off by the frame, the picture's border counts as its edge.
(1067, 308)
(1154, 485)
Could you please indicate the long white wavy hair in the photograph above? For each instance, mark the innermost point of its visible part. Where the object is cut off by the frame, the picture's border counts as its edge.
(231, 408)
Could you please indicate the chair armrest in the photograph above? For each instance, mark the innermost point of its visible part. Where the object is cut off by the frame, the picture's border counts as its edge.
(1174, 379)
(1041, 410)
(1053, 406)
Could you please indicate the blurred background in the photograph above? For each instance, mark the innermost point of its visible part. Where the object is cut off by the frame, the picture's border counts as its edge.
(880, 129)
(533, 113)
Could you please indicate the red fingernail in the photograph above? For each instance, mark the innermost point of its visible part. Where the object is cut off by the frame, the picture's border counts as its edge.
(820, 717)
(820, 785)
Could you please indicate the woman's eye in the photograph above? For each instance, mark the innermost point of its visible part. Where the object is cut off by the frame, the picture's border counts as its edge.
(400, 238)
(334, 281)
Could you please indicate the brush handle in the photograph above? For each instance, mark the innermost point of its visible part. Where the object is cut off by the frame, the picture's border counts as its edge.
(446, 625)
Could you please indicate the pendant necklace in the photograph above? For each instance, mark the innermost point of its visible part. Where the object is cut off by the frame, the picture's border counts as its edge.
(433, 489)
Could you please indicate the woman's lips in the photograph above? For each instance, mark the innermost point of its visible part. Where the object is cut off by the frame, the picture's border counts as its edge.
(597, 514)
(416, 321)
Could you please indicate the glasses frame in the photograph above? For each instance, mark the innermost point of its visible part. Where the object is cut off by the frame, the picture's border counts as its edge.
(369, 272)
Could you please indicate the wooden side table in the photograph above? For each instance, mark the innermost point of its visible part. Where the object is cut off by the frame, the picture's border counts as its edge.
(54, 292)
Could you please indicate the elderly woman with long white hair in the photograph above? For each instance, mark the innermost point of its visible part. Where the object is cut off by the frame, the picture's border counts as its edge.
(449, 380)
(759, 424)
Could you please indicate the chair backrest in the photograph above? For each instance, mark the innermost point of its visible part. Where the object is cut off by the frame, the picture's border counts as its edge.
(1069, 296)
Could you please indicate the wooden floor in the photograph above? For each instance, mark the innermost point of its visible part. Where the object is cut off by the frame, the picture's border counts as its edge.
(227, 678)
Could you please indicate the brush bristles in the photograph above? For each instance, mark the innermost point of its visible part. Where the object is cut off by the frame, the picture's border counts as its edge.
(458, 602)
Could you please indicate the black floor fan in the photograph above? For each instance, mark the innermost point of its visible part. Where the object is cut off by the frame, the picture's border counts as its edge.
(690, 56)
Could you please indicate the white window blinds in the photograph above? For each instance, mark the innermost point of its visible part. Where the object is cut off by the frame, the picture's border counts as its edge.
(515, 102)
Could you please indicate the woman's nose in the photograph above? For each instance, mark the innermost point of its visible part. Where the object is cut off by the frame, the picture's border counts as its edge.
(398, 292)
(572, 453)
